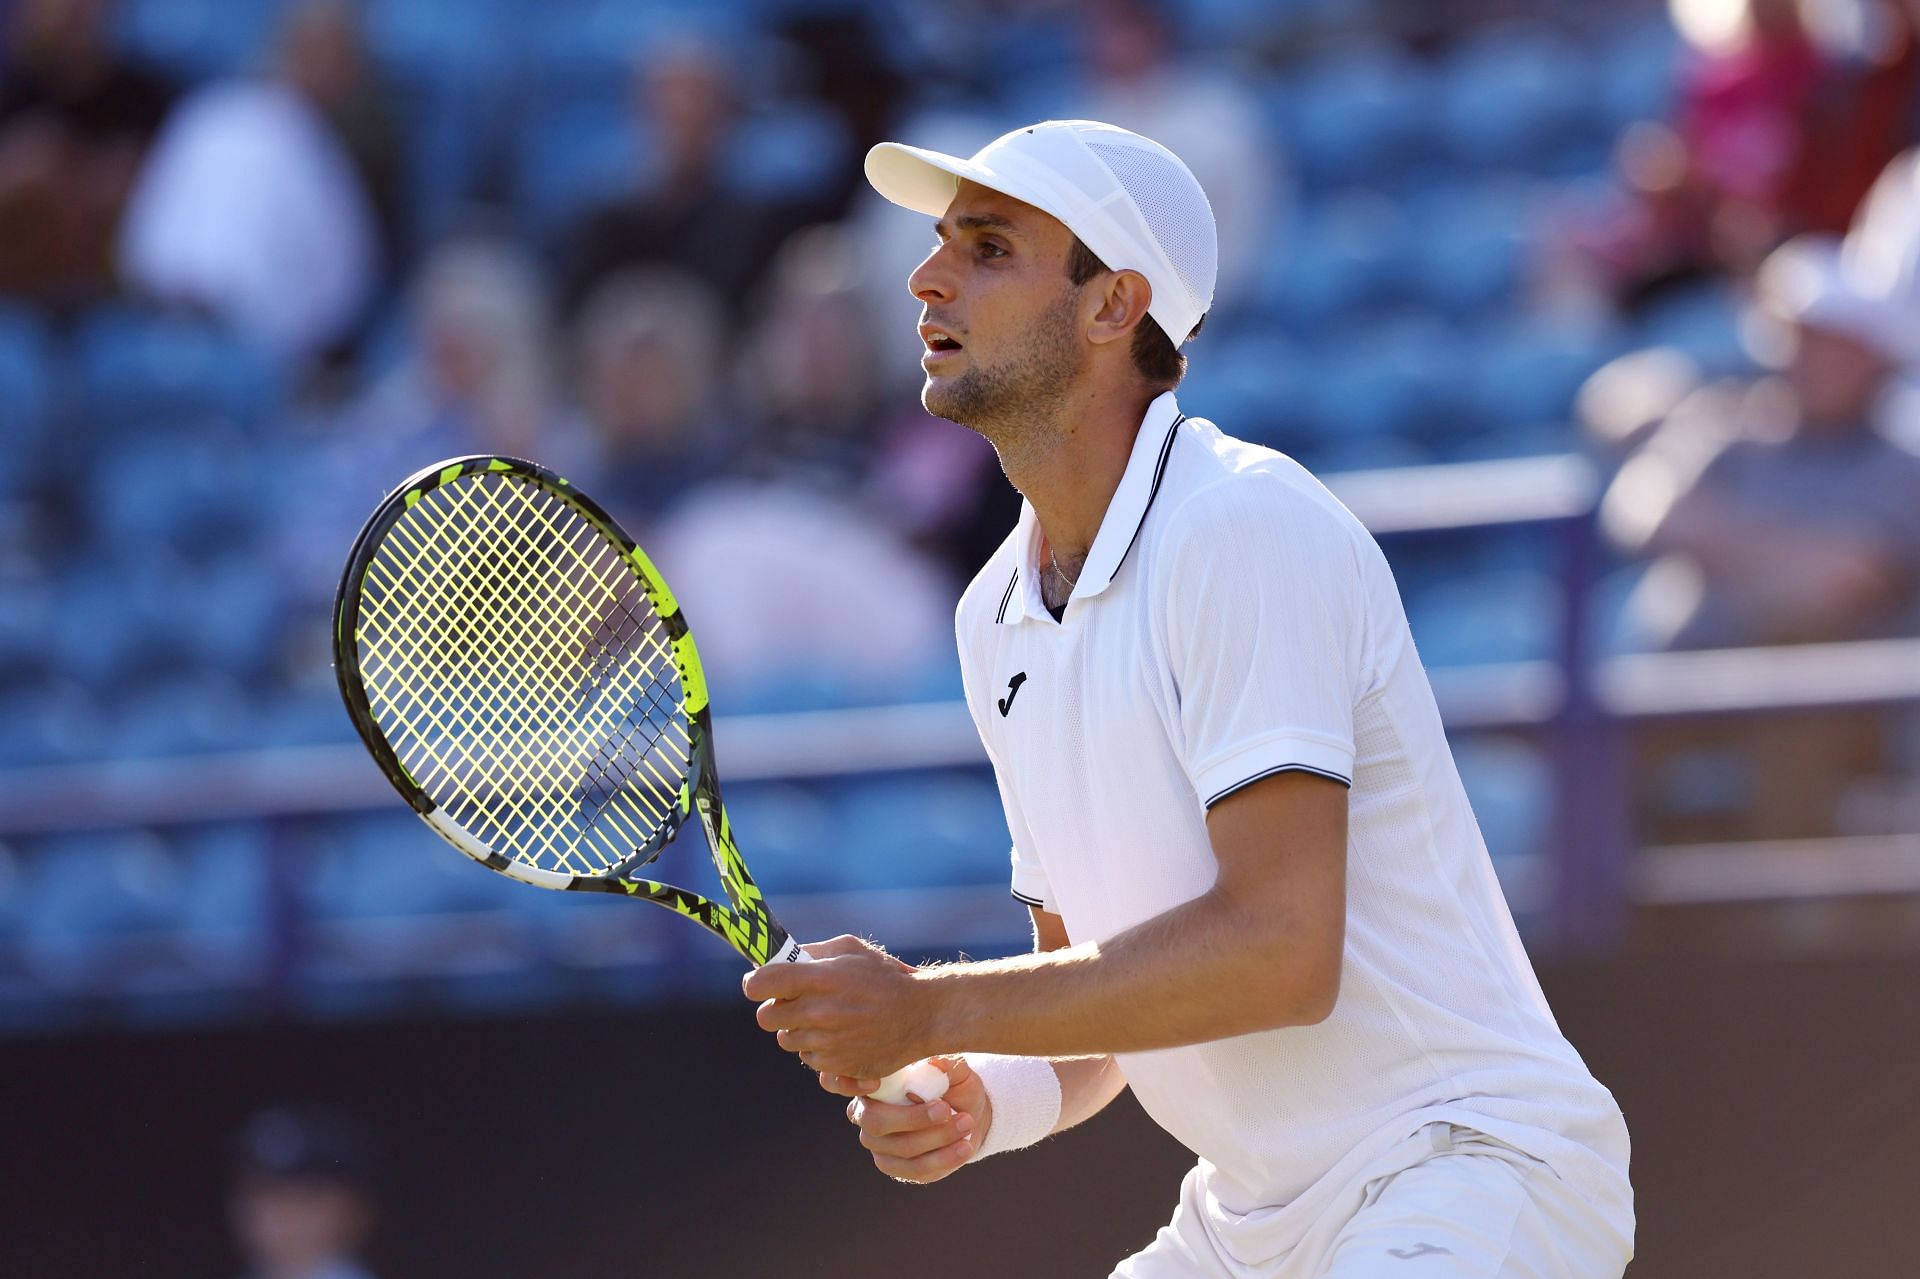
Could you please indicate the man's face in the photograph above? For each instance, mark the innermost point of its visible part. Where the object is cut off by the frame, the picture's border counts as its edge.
(1001, 319)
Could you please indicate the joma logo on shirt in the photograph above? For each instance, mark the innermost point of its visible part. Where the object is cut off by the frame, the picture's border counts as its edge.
(1013, 691)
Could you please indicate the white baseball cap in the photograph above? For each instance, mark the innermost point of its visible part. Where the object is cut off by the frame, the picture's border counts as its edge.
(1129, 199)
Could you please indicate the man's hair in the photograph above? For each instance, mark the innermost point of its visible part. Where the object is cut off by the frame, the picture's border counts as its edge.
(1158, 360)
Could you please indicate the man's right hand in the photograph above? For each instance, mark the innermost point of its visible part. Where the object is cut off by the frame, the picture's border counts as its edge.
(921, 1141)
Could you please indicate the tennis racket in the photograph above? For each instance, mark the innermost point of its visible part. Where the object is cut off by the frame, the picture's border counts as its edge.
(525, 678)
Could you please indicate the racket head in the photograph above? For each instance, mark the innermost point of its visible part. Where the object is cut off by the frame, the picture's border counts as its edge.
(523, 675)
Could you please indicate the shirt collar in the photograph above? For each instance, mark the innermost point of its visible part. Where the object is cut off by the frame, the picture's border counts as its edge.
(1119, 527)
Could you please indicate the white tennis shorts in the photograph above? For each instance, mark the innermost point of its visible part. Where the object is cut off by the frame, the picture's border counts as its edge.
(1470, 1207)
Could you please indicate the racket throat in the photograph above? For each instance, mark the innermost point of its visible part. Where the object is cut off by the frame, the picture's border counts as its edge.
(788, 952)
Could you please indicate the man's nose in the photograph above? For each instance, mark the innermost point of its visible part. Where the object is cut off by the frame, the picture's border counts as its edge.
(931, 281)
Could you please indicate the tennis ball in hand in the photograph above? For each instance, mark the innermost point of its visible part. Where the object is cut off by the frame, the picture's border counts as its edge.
(923, 1079)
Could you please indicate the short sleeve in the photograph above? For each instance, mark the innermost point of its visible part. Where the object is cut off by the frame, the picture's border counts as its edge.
(1265, 634)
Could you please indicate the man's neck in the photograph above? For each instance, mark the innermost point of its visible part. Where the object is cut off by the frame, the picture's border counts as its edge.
(1071, 475)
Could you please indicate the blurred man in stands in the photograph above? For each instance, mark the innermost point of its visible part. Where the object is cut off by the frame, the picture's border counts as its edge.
(250, 188)
(303, 1199)
(688, 214)
(1780, 512)
(647, 363)
(75, 120)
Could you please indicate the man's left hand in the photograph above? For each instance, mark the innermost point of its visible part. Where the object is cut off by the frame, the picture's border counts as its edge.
(855, 1011)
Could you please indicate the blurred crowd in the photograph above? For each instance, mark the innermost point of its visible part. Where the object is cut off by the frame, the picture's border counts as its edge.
(259, 259)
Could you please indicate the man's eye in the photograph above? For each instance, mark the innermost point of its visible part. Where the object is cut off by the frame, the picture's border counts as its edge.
(988, 249)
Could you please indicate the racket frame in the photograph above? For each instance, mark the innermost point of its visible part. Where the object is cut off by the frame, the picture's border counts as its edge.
(746, 923)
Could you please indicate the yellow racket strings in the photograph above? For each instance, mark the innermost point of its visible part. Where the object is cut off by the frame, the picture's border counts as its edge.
(515, 666)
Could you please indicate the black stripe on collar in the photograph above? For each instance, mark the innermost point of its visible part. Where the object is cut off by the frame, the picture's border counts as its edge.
(1159, 473)
(1000, 618)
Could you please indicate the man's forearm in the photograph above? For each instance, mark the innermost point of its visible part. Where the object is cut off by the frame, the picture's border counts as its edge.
(1205, 970)
(1087, 1086)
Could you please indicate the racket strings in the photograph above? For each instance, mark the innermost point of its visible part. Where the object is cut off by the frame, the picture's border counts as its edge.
(516, 667)
(492, 566)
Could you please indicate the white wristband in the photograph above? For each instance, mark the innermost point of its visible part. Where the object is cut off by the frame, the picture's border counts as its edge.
(1025, 1095)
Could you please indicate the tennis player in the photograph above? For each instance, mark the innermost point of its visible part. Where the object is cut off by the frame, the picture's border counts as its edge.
(1259, 897)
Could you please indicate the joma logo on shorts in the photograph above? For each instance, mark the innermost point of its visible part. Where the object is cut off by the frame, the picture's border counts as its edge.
(1418, 1250)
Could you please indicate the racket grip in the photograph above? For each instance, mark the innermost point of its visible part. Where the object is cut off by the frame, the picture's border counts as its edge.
(923, 1079)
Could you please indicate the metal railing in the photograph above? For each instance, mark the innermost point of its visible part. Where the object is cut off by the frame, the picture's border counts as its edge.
(1577, 705)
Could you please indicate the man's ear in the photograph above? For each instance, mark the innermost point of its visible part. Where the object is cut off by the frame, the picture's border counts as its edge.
(1124, 297)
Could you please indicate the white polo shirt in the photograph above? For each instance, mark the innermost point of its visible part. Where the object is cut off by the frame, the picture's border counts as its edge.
(1233, 621)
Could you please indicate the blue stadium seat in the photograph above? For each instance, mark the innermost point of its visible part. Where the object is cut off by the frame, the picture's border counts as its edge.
(13, 894)
(788, 834)
(303, 717)
(390, 864)
(191, 491)
(181, 714)
(226, 912)
(238, 624)
(922, 830)
(568, 161)
(788, 151)
(50, 721)
(1469, 246)
(1255, 384)
(1512, 96)
(1703, 321)
(1639, 70)
(1347, 254)
(1392, 375)
(199, 39)
(26, 396)
(141, 371)
(1355, 115)
(1485, 617)
(1510, 785)
(88, 892)
(26, 629)
(1524, 371)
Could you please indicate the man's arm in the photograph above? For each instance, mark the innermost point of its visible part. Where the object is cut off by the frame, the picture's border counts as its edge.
(925, 1142)
(1259, 950)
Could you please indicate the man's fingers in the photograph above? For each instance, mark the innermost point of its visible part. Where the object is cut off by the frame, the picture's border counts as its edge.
(928, 1167)
(916, 1142)
(780, 981)
(881, 1119)
(847, 1085)
(844, 944)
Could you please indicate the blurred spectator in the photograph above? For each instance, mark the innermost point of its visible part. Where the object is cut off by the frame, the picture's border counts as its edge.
(1778, 512)
(303, 1204)
(324, 55)
(844, 58)
(477, 372)
(75, 119)
(475, 376)
(647, 353)
(807, 371)
(1139, 80)
(1787, 111)
(688, 215)
(790, 585)
(1883, 246)
(250, 190)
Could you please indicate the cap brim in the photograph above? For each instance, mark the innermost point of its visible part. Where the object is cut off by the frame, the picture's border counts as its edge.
(921, 180)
